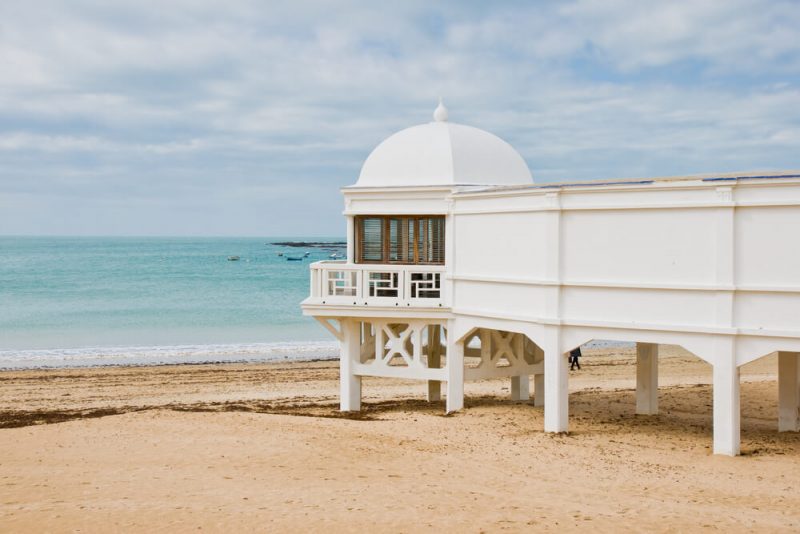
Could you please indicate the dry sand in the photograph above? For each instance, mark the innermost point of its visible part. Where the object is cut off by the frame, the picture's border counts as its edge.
(262, 447)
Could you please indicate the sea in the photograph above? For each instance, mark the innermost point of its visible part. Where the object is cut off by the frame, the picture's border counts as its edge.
(96, 301)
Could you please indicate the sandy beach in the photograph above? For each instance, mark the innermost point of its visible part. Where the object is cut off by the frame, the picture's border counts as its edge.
(263, 447)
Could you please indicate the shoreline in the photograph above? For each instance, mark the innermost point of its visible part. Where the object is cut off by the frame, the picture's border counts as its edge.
(168, 364)
(210, 353)
(176, 354)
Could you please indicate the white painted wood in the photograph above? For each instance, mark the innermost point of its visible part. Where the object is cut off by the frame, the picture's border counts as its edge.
(344, 283)
(788, 392)
(538, 377)
(726, 402)
(646, 378)
(455, 374)
(409, 373)
(337, 333)
(351, 241)
(349, 382)
(520, 388)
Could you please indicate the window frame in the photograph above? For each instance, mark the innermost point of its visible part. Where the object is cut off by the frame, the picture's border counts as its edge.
(386, 239)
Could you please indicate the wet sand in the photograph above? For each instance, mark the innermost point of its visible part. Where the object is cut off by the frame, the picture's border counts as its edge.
(263, 447)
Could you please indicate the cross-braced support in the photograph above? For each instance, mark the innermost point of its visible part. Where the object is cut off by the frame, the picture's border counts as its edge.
(503, 354)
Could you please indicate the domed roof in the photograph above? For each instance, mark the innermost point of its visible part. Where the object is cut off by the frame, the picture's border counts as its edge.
(443, 153)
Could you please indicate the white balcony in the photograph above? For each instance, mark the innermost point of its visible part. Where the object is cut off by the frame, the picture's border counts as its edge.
(351, 284)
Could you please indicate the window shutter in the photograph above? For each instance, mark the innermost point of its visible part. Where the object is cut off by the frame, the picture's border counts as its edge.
(372, 239)
(400, 239)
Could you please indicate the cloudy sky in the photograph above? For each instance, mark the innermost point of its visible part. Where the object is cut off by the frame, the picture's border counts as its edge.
(190, 117)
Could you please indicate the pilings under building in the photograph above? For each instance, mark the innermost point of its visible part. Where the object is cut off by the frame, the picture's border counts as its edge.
(460, 267)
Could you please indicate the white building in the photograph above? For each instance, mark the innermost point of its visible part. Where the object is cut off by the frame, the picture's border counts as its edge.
(456, 256)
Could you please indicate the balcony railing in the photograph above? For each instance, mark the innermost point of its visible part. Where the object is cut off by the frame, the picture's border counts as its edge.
(342, 283)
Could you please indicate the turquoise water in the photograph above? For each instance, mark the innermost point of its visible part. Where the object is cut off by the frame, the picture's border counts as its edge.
(89, 301)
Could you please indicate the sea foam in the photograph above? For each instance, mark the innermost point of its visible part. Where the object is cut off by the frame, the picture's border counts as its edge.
(168, 355)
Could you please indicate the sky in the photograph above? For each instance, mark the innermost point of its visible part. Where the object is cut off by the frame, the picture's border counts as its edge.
(245, 118)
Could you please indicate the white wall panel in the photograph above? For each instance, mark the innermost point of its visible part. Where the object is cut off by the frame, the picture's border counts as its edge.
(642, 306)
(639, 246)
(771, 311)
(385, 206)
(503, 300)
(501, 244)
(768, 246)
(767, 193)
(589, 198)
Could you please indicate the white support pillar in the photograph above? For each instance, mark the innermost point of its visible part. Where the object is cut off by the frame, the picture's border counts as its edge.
(538, 380)
(788, 392)
(646, 378)
(520, 385)
(351, 239)
(556, 392)
(538, 390)
(349, 383)
(434, 361)
(455, 373)
(520, 388)
(726, 404)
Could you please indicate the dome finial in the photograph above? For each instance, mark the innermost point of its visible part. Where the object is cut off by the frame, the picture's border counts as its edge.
(440, 113)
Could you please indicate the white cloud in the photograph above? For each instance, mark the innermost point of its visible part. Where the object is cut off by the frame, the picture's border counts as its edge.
(179, 98)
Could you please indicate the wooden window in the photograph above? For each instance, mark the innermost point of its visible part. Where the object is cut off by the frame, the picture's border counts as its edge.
(414, 239)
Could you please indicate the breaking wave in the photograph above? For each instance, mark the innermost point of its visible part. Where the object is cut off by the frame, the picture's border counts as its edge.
(168, 355)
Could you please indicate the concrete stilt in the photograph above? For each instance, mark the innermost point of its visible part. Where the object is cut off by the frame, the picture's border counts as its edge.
(455, 375)
(538, 380)
(538, 390)
(520, 388)
(556, 392)
(349, 383)
(434, 361)
(726, 407)
(646, 378)
(788, 392)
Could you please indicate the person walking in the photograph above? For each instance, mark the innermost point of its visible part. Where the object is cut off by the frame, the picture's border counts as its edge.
(574, 354)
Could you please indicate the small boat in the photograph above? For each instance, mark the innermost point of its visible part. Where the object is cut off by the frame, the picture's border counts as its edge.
(294, 258)
(233, 258)
(307, 254)
(280, 254)
(334, 256)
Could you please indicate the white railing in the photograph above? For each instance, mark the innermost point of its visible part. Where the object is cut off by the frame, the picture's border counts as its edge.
(339, 282)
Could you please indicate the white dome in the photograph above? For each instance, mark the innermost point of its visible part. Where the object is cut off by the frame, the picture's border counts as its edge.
(443, 153)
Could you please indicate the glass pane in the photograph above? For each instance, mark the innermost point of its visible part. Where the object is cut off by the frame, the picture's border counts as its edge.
(372, 239)
(395, 238)
(437, 240)
(411, 234)
(421, 241)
